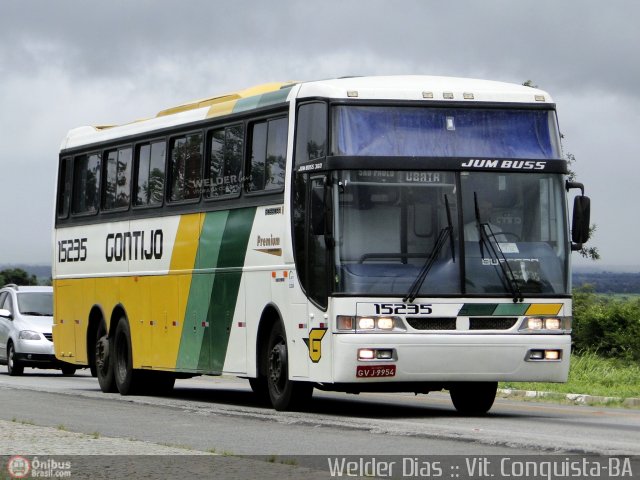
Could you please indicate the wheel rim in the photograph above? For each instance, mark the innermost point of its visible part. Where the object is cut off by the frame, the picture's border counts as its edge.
(278, 366)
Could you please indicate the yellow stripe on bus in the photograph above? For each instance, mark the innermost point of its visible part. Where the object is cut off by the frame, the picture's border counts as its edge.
(544, 309)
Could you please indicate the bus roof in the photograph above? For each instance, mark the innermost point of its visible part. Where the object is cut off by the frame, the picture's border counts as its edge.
(409, 87)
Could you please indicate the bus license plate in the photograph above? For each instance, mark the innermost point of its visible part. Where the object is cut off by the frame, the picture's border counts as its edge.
(375, 371)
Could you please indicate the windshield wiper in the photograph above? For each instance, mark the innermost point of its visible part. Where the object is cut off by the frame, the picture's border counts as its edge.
(446, 232)
(36, 314)
(496, 253)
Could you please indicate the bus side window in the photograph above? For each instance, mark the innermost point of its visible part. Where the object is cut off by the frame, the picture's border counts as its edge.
(86, 184)
(150, 173)
(64, 188)
(117, 179)
(311, 132)
(268, 155)
(185, 163)
(223, 169)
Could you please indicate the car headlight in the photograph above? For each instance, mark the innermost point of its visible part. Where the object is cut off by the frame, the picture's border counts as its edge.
(29, 335)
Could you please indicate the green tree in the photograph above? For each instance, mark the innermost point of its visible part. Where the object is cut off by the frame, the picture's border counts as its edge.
(17, 276)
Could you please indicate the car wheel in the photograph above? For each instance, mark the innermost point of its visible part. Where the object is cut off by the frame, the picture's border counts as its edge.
(14, 368)
(285, 394)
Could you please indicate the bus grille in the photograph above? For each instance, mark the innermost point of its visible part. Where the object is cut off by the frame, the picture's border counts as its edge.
(491, 323)
(48, 336)
(423, 323)
(475, 323)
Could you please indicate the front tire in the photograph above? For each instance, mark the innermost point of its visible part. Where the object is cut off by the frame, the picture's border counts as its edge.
(285, 394)
(14, 368)
(473, 398)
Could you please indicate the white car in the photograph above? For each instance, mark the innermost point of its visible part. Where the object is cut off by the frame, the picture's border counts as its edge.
(26, 319)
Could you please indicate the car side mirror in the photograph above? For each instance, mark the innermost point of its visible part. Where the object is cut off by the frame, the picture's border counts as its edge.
(6, 313)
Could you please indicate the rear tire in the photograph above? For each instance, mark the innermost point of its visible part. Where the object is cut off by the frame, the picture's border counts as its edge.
(285, 394)
(14, 367)
(127, 379)
(104, 360)
(473, 398)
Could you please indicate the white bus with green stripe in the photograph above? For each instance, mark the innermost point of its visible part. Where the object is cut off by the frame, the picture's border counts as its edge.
(403, 233)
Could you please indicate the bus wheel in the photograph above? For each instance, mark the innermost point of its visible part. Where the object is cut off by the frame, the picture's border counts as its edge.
(104, 361)
(285, 394)
(14, 368)
(473, 398)
(126, 378)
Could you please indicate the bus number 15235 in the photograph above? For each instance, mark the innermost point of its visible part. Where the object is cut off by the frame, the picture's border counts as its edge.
(403, 309)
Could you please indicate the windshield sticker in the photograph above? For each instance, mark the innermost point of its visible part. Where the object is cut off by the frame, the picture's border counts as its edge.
(508, 247)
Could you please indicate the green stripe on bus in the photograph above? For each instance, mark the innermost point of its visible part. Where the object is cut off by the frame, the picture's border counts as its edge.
(511, 309)
(200, 291)
(224, 292)
(474, 309)
(258, 101)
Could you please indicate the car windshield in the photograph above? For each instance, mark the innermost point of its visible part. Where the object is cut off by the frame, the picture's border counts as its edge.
(36, 303)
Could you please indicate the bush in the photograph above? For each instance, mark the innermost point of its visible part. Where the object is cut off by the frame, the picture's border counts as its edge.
(609, 326)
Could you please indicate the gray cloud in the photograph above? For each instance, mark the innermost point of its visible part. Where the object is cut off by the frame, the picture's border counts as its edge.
(68, 63)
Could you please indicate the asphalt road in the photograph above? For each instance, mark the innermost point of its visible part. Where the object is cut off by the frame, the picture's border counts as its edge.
(221, 414)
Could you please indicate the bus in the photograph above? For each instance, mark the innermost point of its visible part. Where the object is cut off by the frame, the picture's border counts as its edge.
(357, 234)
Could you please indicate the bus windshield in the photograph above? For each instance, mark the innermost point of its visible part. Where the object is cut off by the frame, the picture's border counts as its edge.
(444, 132)
(498, 234)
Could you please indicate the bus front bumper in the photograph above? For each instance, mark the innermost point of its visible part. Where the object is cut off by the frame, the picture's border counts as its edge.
(450, 358)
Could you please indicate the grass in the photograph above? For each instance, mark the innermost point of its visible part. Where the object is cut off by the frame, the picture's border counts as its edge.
(590, 374)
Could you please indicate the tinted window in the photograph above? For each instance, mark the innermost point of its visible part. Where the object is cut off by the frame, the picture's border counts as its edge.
(86, 183)
(150, 173)
(268, 155)
(64, 187)
(311, 132)
(185, 167)
(117, 179)
(223, 171)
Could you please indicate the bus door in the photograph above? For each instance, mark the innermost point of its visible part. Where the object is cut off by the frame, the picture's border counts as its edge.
(319, 240)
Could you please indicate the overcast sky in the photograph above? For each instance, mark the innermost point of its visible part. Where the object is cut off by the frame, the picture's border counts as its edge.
(68, 63)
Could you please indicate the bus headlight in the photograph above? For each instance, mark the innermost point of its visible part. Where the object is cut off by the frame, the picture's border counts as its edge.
(369, 323)
(366, 323)
(546, 325)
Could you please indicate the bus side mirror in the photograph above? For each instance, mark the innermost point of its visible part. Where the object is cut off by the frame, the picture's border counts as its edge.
(580, 223)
